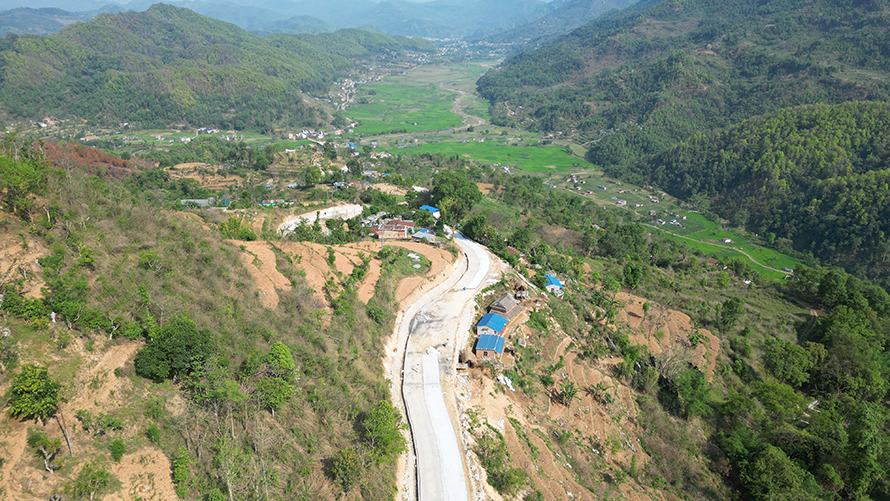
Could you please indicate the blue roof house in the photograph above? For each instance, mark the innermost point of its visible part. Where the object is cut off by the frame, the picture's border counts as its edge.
(489, 346)
(553, 285)
(491, 323)
(432, 210)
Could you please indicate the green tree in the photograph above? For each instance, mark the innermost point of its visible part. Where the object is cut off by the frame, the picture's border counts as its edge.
(279, 377)
(865, 446)
(832, 288)
(46, 448)
(454, 194)
(176, 349)
(330, 151)
(791, 363)
(346, 468)
(383, 431)
(19, 178)
(234, 227)
(732, 310)
(773, 476)
(181, 471)
(694, 393)
(33, 393)
(633, 273)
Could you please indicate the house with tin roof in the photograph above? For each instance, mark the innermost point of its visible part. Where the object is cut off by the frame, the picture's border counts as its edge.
(491, 323)
(432, 210)
(553, 285)
(489, 347)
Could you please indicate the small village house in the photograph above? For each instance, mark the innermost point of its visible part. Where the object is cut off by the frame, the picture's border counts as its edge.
(489, 347)
(553, 285)
(432, 210)
(491, 323)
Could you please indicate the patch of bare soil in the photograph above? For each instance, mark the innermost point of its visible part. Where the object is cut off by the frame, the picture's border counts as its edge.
(485, 188)
(13, 440)
(603, 433)
(144, 474)
(98, 382)
(390, 189)
(18, 260)
(205, 174)
(259, 259)
(24, 476)
(667, 332)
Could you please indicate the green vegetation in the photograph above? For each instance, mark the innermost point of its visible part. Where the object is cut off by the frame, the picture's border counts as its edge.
(495, 458)
(527, 155)
(111, 70)
(33, 394)
(290, 389)
(353, 42)
(809, 178)
(640, 81)
(397, 106)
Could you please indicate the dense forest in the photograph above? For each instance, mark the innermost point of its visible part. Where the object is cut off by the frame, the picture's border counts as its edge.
(169, 65)
(639, 81)
(812, 178)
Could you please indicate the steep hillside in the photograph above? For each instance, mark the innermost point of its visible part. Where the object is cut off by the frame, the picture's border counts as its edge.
(166, 363)
(170, 66)
(815, 177)
(640, 81)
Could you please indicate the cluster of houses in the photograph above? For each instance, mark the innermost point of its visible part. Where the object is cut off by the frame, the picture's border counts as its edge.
(492, 325)
(306, 134)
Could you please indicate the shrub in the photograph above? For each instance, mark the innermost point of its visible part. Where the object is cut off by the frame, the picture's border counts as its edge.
(117, 449)
(346, 468)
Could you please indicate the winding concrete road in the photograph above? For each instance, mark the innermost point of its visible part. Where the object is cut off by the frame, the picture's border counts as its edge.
(434, 326)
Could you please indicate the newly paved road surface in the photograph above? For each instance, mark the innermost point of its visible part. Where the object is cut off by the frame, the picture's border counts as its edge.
(435, 323)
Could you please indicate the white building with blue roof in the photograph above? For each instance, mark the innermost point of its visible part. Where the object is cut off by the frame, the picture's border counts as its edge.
(553, 285)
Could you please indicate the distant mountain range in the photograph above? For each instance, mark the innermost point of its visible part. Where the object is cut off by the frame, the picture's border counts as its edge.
(170, 65)
(563, 17)
(436, 19)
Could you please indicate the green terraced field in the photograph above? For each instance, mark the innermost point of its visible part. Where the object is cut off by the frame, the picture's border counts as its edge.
(524, 156)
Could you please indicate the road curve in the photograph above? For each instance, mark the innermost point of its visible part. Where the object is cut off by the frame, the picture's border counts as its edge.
(435, 325)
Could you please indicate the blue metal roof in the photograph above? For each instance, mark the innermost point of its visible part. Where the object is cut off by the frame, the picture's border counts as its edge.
(493, 321)
(429, 208)
(490, 342)
(551, 280)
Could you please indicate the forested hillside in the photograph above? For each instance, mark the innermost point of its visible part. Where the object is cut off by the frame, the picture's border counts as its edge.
(814, 177)
(169, 65)
(638, 82)
(358, 43)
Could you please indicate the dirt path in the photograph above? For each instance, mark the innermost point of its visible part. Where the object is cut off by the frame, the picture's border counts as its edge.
(718, 245)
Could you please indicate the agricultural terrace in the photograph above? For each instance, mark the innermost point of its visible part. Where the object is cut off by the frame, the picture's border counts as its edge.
(696, 230)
